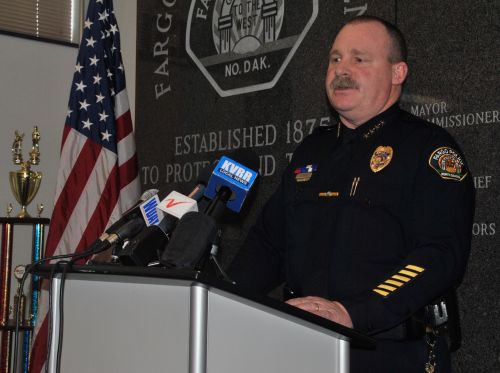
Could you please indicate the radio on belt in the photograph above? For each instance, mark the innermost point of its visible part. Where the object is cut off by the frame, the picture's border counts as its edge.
(235, 176)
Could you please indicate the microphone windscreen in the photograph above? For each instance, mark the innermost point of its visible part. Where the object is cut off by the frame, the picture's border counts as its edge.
(144, 248)
(190, 241)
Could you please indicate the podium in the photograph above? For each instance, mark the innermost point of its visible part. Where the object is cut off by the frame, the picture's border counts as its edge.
(125, 319)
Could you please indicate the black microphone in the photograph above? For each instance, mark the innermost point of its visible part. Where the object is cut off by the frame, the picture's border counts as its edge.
(196, 232)
(149, 244)
(124, 232)
(132, 213)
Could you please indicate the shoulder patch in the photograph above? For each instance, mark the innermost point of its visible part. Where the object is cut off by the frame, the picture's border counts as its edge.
(448, 164)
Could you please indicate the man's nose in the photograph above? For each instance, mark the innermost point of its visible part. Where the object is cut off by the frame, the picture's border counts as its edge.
(342, 68)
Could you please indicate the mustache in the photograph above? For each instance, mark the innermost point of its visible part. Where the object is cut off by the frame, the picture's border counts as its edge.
(343, 82)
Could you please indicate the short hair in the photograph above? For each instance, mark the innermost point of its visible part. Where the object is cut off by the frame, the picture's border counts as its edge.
(398, 50)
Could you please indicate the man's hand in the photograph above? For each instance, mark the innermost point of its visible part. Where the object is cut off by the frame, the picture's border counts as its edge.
(331, 310)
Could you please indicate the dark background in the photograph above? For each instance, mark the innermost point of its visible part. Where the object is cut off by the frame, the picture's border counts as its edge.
(454, 65)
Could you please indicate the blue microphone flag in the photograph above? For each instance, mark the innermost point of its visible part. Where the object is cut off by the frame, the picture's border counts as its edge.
(235, 176)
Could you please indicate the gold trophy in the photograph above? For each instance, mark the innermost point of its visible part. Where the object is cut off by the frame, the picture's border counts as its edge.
(25, 183)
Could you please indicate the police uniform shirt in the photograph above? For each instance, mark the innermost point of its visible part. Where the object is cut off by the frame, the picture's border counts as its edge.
(378, 218)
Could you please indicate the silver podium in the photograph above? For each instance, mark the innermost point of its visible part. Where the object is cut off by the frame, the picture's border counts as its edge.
(166, 321)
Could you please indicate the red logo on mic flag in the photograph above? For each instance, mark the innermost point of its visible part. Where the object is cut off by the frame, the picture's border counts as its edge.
(171, 202)
(177, 204)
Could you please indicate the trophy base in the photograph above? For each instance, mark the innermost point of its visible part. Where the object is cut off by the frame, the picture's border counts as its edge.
(23, 214)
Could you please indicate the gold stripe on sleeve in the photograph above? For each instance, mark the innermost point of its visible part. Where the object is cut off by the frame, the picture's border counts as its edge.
(402, 278)
(415, 268)
(387, 287)
(395, 283)
(408, 273)
(381, 292)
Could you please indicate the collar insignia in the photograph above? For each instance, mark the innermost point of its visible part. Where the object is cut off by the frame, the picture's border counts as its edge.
(303, 174)
(381, 157)
(448, 164)
(374, 129)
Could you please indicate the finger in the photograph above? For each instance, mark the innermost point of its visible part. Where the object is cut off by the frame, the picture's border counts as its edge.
(303, 300)
(307, 306)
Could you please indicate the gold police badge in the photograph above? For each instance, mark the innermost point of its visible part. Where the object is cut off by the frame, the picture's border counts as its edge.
(381, 157)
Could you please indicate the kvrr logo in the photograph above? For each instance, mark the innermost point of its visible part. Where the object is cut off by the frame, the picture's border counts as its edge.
(240, 46)
(236, 172)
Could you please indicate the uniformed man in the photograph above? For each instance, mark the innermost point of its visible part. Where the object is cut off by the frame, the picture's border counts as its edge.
(372, 220)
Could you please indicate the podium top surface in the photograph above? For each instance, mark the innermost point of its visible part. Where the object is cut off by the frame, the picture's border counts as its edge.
(356, 338)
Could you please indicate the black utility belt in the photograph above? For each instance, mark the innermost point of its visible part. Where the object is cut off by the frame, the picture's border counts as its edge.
(440, 317)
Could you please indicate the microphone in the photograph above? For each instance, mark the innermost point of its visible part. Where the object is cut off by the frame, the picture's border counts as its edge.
(125, 231)
(231, 181)
(177, 204)
(131, 213)
(148, 245)
(196, 232)
(143, 213)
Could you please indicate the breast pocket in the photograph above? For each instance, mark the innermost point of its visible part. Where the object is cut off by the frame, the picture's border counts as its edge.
(370, 232)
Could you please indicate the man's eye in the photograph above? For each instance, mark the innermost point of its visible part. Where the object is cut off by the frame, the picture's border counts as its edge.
(334, 59)
(358, 59)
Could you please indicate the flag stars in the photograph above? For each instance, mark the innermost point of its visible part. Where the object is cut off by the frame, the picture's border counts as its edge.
(105, 136)
(99, 98)
(91, 42)
(97, 79)
(83, 105)
(87, 124)
(68, 112)
(80, 86)
(120, 66)
(110, 74)
(114, 29)
(78, 67)
(94, 60)
(88, 23)
(103, 16)
(103, 116)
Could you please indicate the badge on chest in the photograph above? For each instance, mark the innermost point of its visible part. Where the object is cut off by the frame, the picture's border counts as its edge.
(381, 158)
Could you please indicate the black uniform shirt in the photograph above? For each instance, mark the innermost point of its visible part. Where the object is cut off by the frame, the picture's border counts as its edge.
(378, 218)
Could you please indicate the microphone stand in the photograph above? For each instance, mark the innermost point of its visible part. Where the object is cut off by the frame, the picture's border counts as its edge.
(213, 257)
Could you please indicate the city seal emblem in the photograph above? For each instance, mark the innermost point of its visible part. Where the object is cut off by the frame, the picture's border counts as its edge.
(241, 46)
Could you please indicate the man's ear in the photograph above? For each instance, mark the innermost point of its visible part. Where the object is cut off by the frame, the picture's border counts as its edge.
(399, 73)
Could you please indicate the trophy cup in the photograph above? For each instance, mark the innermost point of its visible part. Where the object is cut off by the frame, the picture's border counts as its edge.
(25, 183)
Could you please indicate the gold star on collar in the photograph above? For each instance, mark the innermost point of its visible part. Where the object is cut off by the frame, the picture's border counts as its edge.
(374, 129)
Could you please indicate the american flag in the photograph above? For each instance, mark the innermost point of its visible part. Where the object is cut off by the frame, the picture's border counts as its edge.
(98, 173)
